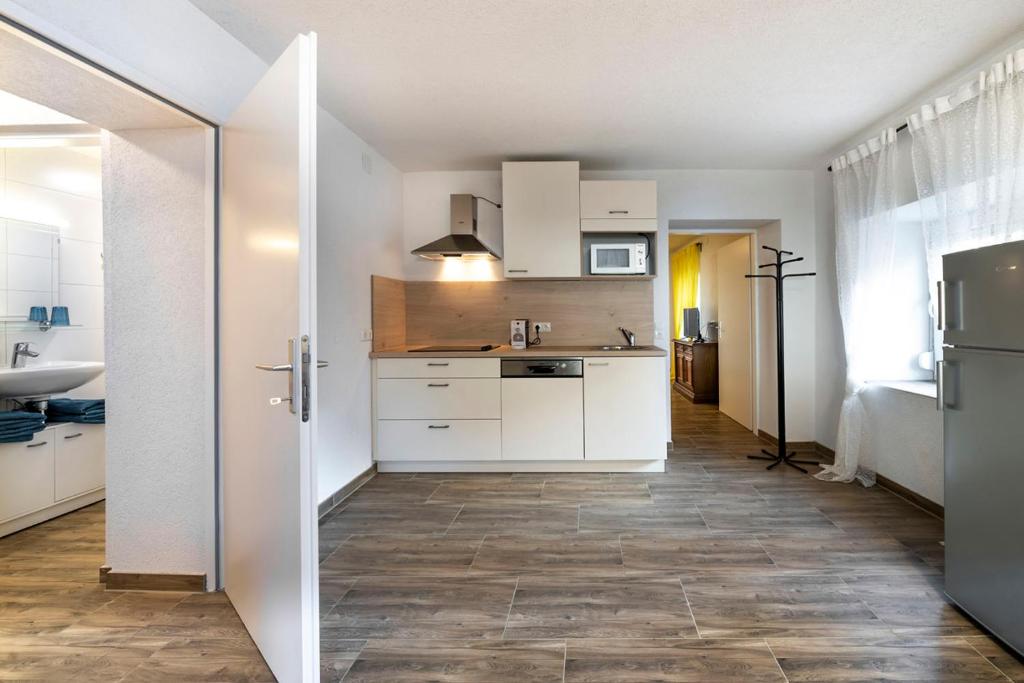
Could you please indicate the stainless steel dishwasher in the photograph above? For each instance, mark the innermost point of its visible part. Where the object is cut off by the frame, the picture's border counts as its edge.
(542, 409)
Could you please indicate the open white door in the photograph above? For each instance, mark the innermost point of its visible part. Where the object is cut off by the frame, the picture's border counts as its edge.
(268, 394)
(735, 333)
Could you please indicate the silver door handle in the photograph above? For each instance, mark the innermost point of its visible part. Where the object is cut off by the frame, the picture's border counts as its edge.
(437, 385)
(618, 211)
(289, 368)
(518, 270)
(322, 364)
(597, 365)
(36, 445)
(73, 436)
(939, 384)
(274, 368)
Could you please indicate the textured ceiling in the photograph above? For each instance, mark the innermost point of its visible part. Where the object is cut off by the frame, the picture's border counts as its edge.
(463, 84)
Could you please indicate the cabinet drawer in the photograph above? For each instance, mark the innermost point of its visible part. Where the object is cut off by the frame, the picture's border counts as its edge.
(80, 459)
(26, 475)
(618, 199)
(439, 440)
(389, 368)
(444, 398)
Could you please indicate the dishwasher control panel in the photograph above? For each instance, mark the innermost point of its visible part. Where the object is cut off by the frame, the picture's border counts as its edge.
(541, 367)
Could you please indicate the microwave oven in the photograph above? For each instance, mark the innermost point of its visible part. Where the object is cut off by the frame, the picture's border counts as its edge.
(618, 259)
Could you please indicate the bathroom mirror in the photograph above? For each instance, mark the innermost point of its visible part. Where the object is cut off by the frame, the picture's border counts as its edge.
(29, 268)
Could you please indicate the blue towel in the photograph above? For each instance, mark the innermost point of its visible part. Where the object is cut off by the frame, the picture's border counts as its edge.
(27, 427)
(75, 406)
(17, 438)
(83, 411)
(19, 416)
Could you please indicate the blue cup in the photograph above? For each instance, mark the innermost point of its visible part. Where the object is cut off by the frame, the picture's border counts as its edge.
(60, 316)
(37, 314)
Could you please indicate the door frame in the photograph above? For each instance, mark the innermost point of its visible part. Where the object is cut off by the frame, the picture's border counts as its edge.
(95, 72)
(722, 227)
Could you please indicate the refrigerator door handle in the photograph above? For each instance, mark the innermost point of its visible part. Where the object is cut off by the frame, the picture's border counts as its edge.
(940, 317)
(947, 393)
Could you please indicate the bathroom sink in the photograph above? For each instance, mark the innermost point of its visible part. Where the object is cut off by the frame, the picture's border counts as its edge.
(44, 379)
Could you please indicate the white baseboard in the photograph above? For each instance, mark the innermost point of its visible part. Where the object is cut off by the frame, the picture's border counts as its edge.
(524, 466)
(55, 510)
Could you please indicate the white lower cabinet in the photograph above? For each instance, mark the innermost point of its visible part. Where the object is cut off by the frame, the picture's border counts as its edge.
(80, 459)
(61, 468)
(26, 475)
(447, 410)
(438, 397)
(624, 408)
(438, 440)
(542, 419)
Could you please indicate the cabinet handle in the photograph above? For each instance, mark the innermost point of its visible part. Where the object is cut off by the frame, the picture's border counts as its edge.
(437, 385)
(73, 436)
(618, 211)
(437, 365)
(596, 365)
(37, 445)
(518, 270)
(438, 426)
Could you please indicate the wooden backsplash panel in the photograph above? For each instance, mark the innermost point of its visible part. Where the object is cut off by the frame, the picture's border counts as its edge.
(387, 310)
(580, 312)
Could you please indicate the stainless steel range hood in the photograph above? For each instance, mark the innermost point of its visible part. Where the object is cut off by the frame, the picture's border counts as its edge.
(465, 239)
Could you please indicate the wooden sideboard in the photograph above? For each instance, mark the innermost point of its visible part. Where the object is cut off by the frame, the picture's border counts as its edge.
(696, 370)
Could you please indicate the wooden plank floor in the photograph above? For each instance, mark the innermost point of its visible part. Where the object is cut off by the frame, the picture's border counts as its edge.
(57, 623)
(715, 570)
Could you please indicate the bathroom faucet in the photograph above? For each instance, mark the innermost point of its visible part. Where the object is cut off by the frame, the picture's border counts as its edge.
(630, 337)
(21, 352)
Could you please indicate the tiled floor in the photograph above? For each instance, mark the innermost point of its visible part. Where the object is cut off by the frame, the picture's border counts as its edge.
(57, 623)
(715, 570)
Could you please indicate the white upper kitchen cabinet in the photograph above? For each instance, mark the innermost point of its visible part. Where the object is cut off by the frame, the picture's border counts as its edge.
(618, 205)
(541, 219)
(624, 408)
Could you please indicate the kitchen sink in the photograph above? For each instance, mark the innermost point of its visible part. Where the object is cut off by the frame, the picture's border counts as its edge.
(621, 347)
(44, 379)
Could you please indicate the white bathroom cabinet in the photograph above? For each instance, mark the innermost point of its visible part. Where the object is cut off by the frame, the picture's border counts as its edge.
(61, 469)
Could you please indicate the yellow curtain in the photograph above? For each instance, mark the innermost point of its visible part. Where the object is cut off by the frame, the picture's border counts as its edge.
(685, 270)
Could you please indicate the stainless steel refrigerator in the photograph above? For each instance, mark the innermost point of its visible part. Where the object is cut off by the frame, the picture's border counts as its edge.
(981, 394)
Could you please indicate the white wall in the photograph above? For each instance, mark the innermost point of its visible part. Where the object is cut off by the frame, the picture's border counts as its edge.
(167, 46)
(159, 260)
(59, 188)
(359, 233)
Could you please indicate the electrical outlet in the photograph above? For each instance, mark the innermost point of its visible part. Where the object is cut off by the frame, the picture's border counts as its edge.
(544, 327)
(367, 335)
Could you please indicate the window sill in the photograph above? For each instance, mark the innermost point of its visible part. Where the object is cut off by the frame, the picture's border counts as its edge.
(920, 387)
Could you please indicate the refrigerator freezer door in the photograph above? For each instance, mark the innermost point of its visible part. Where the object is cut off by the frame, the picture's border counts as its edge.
(982, 297)
(983, 395)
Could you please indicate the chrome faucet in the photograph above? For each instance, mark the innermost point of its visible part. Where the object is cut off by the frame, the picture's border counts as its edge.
(21, 352)
(630, 337)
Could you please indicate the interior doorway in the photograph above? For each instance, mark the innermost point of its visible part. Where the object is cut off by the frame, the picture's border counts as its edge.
(714, 319)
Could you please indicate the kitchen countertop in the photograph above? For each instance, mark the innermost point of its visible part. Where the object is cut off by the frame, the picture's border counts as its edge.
(506, 351)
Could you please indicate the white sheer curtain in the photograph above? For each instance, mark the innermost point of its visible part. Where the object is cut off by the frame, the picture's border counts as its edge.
(968, 152)
(864, 181)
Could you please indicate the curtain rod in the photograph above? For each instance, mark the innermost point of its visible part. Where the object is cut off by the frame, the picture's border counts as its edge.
(898, 129)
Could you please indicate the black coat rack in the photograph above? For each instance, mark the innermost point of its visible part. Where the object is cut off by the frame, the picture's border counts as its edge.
(782, 456)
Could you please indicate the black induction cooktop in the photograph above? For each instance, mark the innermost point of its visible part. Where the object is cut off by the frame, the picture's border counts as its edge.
(454, 349)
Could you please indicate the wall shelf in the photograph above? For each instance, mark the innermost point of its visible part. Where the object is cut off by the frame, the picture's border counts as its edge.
(25, 324)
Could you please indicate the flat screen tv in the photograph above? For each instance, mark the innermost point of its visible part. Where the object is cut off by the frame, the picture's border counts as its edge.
(691, 323)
